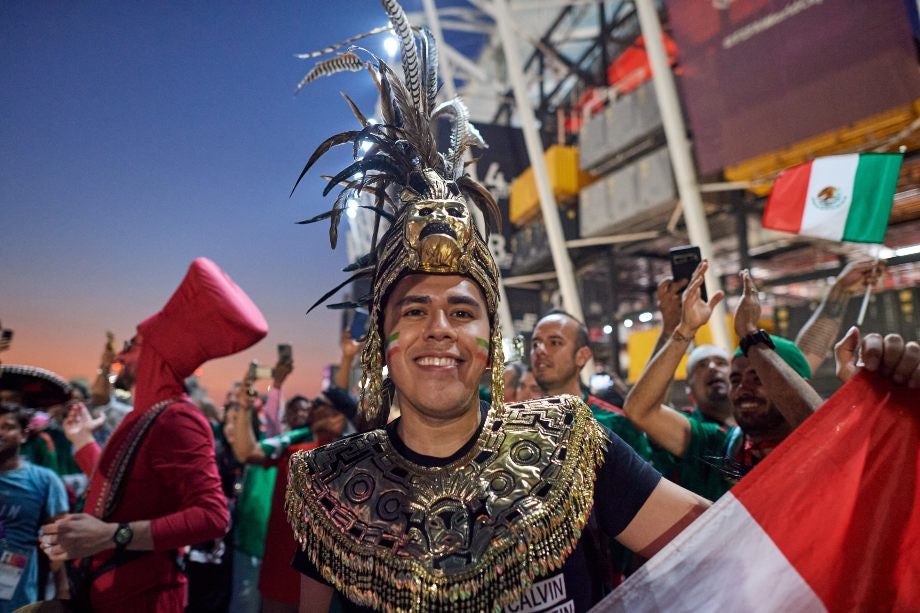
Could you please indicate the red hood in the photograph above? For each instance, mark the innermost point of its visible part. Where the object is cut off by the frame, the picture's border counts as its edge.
(207, 317)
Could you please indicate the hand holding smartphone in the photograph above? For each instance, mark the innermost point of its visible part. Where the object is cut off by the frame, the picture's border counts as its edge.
(358, 326)
(259, 372)
(684, 261)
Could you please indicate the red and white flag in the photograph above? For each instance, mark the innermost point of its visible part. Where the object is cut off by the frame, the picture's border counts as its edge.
(830, 521)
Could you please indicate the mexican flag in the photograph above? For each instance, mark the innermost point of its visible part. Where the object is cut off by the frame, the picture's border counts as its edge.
(830, 521)
(839, 197)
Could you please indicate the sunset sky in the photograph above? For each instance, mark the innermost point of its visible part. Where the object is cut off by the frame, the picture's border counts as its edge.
(138, 136)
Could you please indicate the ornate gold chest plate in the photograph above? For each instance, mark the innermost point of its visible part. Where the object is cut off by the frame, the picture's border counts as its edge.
(467, 536)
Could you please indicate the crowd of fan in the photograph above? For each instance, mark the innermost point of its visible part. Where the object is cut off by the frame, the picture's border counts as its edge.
(743, 406)
(248, 569)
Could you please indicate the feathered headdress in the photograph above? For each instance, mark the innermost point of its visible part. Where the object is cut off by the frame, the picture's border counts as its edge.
(421, 192)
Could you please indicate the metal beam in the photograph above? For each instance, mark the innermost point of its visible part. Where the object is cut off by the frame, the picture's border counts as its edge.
(612, 240)
(561, 260)
(615, 22)
(541, 5)
(681, 160)
(505, 108)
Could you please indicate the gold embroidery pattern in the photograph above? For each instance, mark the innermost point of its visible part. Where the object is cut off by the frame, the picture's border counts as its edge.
(469, 536)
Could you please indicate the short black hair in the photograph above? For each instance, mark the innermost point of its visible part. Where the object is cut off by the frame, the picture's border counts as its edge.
(21, 413)
(581, 335)
(297, 398)
(80, 387)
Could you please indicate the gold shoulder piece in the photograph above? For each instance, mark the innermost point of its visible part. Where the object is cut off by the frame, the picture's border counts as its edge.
(469, 536)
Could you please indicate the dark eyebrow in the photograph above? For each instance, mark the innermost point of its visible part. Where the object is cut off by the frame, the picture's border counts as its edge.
(412, 299)
(467, 300)
(422, 299)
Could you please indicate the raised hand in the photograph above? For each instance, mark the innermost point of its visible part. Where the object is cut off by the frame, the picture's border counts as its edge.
(282, 369)
(858, 274)
(747, 313)
(80, 424)
(695, 312)
(669, 302)
(350, 347)
(890, 356)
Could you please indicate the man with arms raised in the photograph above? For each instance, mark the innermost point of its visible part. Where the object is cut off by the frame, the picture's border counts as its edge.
(768, 391)
(456, 505)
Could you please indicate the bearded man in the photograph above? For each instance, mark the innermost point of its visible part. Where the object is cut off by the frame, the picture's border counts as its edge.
(767, 390)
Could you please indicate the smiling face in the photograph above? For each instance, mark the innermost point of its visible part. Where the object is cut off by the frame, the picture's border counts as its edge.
(436, 329)
(754, 411)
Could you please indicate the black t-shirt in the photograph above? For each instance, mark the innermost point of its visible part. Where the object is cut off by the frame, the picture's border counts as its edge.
(624, 482)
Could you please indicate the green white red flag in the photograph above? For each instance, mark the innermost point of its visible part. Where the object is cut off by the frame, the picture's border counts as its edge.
(830, 521)
(838, 197)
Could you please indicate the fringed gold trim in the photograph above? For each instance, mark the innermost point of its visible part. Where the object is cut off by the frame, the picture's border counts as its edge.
(539, 540)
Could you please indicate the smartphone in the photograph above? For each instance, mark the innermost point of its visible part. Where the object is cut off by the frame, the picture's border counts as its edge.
(284, 353)
(684, 261)
(259, 372)
(358, 326)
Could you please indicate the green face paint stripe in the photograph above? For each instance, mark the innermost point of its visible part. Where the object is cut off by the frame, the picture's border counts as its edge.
(393, 337)
(482, 342)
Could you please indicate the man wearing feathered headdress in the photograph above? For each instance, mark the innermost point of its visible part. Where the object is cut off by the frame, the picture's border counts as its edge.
(456, 505)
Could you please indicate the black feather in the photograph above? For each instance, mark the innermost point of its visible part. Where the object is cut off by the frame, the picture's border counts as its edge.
(319, 217)
(383, 144)
(354, 109)
(338, 206)
(368, 259)
(336, 139)
(417, 130)
(387, 112)
(483, 199)
(380, 211)
(348, 305)
(377, 163)
(329, 294)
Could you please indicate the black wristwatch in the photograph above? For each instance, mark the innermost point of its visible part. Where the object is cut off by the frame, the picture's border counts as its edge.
(123, 536)
(756, 338)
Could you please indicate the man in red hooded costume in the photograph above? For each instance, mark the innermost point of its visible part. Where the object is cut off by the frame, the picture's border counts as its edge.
(154, 488)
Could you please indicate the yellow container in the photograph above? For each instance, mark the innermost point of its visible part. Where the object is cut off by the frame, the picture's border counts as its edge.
(565, 178)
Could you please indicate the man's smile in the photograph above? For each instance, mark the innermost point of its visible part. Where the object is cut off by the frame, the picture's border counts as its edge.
(437, 361)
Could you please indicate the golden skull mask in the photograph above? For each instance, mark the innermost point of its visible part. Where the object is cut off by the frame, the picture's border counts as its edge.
(439, 231)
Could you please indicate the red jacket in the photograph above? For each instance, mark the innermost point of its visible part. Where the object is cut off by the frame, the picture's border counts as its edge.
(173, 480)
